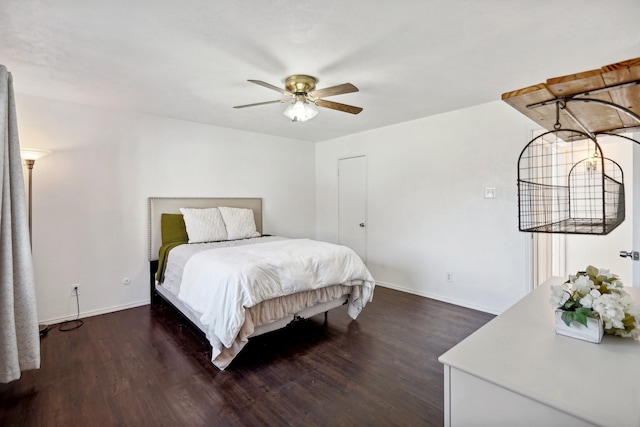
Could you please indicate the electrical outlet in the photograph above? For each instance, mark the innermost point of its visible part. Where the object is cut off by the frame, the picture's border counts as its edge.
(450, 277)
(75, 290)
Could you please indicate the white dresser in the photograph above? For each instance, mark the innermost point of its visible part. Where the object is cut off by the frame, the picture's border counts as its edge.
(515, 371)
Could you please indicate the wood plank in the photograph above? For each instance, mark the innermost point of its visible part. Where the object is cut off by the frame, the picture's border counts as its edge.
(575, 83)
(545, 116)
(626, 71)
(628, 98)
(523, 91)
(595, 116)
(623, 72)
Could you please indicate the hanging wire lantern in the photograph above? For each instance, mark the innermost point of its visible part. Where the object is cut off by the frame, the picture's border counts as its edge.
(566, 185)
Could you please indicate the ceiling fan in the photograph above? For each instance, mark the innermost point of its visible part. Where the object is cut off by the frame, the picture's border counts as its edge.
(302, 95)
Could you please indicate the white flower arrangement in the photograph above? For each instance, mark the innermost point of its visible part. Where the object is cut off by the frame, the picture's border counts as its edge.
(597, 293)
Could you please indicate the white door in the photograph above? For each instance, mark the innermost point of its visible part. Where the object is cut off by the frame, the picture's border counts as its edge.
(571, 253)
(636, 209)
(352, 204)
(604, 251)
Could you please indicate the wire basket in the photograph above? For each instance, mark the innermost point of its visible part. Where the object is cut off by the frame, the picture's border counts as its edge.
(566, 185)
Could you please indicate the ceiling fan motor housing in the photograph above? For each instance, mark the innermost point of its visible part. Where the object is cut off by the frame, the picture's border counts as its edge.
(300, 83)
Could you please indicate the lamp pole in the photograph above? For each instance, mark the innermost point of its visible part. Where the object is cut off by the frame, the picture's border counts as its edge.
(30, 163)
(30, 155)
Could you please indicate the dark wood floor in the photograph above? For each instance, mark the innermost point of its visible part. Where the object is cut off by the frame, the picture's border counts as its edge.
(140, 367)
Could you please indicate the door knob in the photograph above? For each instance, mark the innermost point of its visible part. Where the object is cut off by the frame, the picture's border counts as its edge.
(635, 255)
(362, 225)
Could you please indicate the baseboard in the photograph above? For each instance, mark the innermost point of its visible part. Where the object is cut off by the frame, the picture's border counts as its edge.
(437, 297)
(92, 313)
(107, 310)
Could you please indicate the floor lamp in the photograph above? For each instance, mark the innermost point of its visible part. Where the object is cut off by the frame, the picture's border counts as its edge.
(30, 155)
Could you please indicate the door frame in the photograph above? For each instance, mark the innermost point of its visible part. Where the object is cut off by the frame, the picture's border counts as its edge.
(549, 253)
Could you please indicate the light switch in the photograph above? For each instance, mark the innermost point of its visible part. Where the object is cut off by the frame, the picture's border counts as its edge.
(490, 193)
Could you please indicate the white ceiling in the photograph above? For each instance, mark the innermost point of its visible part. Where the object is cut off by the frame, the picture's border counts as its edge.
(190, 59)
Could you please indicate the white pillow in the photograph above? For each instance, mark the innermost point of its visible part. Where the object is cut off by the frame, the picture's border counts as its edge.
(204, 225)
(240, 223)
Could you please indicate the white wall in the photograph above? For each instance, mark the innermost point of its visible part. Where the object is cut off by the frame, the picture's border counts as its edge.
(90, 194)
(426, 209)
(427, 214)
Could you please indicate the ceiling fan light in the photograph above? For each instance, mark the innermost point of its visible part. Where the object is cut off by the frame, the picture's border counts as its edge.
(300, 110)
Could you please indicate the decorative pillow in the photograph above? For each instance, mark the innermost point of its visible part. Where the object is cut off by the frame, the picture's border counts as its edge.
(204, 225)
(240, 223)
(173, 229)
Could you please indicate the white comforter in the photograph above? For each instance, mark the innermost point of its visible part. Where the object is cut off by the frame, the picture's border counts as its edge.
(220, 283)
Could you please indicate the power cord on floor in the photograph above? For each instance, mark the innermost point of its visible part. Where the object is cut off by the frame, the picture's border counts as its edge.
(77, 322)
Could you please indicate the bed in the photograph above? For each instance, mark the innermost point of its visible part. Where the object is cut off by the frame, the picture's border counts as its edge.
(233, 282)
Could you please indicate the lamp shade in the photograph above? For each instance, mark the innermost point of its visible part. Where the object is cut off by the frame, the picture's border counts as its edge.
(33, 153)
(300, 110)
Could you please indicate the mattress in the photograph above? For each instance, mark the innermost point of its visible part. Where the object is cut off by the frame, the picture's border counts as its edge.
(265, 316)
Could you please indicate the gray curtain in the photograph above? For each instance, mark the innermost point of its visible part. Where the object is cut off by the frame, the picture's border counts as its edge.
(19, 334)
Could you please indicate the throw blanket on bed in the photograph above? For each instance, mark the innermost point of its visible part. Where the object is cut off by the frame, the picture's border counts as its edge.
(220, 283)
(163, 256)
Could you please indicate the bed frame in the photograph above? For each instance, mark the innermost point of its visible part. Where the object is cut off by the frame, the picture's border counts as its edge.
(159, 205)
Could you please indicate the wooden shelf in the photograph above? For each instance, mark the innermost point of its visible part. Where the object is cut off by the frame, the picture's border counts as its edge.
(616, 83)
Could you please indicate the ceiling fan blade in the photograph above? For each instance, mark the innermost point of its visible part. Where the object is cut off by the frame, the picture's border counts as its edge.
(272, 87)
(333, 90)
(338, 106)
(279, 101)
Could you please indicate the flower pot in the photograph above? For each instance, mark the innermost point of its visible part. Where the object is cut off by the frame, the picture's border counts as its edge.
(592, 332)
